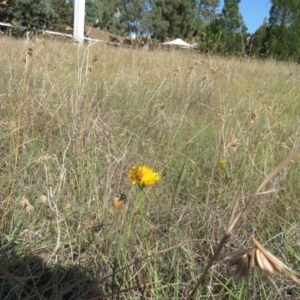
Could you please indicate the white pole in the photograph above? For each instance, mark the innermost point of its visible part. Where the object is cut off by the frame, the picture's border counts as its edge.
(79, 12)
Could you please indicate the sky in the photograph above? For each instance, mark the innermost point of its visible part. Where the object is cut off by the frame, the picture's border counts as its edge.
(253, 12)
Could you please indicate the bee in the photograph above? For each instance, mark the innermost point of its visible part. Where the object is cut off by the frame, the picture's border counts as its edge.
(119, 201)
(137, 175)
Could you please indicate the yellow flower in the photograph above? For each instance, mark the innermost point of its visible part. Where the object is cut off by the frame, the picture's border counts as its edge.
(247, 89)
(223, 162)
(143, 176)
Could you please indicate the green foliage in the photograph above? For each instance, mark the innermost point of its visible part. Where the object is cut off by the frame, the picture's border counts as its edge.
(283, 12)
(174, 18)
(29, 13)
(211, 38)
(135, 11)
(108, 15)
(258, 42)
(233, 29)
(156, 23)
(226, 34)
(92, 12)
(283, 34)
(207, 9)
(64, 15)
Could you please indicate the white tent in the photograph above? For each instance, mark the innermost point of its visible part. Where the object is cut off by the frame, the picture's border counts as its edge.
(196, 46)
(178, 42)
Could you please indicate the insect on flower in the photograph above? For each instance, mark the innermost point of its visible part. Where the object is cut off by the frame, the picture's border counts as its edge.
(143, 176)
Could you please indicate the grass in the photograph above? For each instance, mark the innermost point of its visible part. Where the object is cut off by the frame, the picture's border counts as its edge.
(75, 120)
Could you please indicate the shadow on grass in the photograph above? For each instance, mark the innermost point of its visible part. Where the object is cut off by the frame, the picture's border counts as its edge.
(28, 277)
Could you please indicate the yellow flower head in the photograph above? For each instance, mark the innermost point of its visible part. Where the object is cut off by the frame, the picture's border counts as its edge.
(143, 176)
(223, 162)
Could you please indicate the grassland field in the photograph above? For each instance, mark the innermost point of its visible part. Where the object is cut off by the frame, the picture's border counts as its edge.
(74, 121)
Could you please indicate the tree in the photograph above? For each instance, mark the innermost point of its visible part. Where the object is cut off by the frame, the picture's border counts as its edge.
(135, 16)
(92, 12)
(210, 38)
(107, 15)
(259, 41)
(155, 23)
(207, 9)
(283, 34)
(228, 32)
(33, 13)
(173, 18)
(63, 15)
(234, 28)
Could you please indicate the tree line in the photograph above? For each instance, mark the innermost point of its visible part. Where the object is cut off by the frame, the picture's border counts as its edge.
(218, 32)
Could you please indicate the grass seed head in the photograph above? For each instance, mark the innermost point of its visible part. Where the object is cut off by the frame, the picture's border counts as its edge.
(95, 58)
(242, 260)
(253, 115)
(263, 264)
(189, 71)
(233, 142)
(205, 77)
(260, 259)
(199, 62)
(177, 69)
(30, 51)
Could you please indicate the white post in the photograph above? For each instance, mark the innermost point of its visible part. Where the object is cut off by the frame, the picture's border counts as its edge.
(79, 13)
